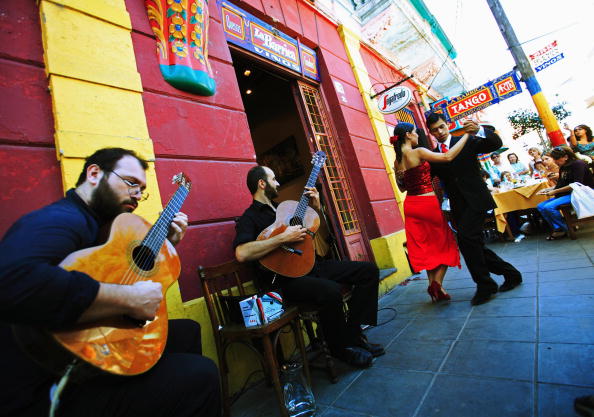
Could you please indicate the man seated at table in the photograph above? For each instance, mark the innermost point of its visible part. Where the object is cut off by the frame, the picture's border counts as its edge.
(323, 285)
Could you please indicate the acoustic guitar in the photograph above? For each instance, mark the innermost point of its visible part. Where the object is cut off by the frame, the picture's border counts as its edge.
(295, 259)
(135, 251)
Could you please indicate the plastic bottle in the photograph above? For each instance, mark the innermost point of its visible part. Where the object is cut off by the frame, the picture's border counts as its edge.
(299, 399)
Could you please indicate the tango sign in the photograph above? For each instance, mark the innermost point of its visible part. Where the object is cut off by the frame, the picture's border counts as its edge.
(394, 99)
(489, 93)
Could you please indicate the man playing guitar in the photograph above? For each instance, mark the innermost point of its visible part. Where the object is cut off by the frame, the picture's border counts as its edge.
(320, 287)
(35, 292)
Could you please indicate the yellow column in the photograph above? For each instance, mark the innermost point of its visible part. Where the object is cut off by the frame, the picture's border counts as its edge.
(96, 91)
(388, 250)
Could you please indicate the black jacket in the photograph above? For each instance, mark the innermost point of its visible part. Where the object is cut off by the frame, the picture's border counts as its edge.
(462, 178)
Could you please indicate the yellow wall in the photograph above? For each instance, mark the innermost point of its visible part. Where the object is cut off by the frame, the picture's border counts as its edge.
(388, 250)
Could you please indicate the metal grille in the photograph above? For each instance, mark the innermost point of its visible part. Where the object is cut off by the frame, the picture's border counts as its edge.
(334, 168)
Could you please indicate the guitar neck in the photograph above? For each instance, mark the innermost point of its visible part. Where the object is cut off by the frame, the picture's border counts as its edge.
(304, 201)
(158, 233)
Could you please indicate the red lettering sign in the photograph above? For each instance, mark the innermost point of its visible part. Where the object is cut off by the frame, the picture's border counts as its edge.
(273, 44)
(233, 23)
(309, 62)
(464, 105)
(505, 86)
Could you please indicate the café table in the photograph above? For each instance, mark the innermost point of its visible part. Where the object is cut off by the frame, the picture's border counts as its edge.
(520, 198)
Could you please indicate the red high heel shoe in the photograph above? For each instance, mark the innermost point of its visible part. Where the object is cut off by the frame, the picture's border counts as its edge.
(438, 292)
(431, 290)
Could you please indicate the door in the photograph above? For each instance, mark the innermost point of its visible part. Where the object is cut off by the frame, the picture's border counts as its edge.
(317, 123)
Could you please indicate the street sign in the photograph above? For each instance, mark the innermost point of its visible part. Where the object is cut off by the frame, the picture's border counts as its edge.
(501, 88)
(546, 56)
(394, 99)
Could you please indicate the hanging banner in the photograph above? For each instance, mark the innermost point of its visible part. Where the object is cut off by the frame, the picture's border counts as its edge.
(492, 92)
(394, 99)
(250, 33)
(546, 56)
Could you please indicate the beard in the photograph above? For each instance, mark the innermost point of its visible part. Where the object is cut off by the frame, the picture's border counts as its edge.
(270, 192)
(105, 202)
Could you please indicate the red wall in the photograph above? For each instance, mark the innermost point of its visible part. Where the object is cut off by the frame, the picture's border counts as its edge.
(29, 173)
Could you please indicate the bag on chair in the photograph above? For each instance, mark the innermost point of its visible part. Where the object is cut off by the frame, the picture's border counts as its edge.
(582, 200)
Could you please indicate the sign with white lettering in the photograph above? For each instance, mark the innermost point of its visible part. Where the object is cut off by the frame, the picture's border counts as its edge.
(546, 56)
(487, 94)
(251, 33)
(394, 99)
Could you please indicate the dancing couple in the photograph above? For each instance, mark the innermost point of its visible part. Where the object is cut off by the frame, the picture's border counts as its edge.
(430, 242)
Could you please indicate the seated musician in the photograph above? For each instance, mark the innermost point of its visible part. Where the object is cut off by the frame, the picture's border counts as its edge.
(322, 286)
(35, 292)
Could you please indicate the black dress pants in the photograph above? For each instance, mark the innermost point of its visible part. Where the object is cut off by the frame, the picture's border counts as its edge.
(182, 384)
(479, 259)
(323, 287)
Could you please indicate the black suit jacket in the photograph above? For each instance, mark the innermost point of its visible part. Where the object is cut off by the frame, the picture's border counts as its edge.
(462, 178)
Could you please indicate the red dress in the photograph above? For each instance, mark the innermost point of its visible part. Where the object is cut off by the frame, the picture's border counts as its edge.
(430, 241)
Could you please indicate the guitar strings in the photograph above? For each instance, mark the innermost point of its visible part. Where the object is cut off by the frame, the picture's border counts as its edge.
(157, 233)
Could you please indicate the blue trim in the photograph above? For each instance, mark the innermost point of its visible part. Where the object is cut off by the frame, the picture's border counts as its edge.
(533, 86)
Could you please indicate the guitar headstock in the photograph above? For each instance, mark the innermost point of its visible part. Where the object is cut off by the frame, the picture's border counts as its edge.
(318, 159)
(182, 179)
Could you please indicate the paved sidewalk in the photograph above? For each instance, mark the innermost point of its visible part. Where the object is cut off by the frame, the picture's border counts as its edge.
(526, 353)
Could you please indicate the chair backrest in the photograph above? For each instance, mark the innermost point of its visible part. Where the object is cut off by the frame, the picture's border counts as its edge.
(221, 286)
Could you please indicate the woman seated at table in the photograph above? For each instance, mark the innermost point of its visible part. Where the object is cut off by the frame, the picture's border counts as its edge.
(517, 167)
(536, 155)
(571, 170)
(552, 170)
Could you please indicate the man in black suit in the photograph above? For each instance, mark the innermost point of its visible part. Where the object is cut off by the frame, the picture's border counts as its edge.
(469, 201)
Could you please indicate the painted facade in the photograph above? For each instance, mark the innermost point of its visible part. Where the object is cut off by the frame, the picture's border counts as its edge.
(87, 75)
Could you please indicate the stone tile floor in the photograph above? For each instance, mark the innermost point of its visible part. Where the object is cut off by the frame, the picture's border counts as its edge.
(528, 352)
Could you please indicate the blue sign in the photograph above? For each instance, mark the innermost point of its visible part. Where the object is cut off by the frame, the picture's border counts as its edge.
(251, 33)
(549, 62)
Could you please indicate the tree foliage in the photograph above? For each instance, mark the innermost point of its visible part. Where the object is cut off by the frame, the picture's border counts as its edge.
(525, 121)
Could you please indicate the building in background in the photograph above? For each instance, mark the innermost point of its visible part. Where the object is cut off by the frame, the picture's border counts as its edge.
(87, 75)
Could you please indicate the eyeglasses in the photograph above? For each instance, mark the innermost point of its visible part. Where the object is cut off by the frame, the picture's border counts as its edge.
(133, 189)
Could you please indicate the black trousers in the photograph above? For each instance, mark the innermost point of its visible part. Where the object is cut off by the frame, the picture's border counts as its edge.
(479, 259)
(323, 287)
(182, 384)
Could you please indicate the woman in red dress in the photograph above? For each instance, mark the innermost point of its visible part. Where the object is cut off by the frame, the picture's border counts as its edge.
(430, 241)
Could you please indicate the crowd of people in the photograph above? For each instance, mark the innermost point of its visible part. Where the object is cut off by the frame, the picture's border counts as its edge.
(36, 292)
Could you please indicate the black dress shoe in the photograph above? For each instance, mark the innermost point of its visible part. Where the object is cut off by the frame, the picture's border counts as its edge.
(584, 406)
(355, 356)
(374, 348)
(481, 297)
(510, 283)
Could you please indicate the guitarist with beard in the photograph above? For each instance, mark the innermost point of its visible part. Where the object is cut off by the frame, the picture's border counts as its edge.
(34, 291)
(322, 286)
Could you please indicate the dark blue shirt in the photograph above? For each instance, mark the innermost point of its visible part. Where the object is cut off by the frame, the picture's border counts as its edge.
(35, 291)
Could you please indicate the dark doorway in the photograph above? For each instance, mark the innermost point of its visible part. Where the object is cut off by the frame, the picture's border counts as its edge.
(279, 137)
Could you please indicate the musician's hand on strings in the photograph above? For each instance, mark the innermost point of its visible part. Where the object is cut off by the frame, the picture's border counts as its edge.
(144, 298)
(293, 234)
(314, 197)
(177, 228)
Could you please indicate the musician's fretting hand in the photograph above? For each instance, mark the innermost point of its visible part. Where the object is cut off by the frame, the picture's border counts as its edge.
(144, 299)
(314, 197)
(293, 234)
(177, 228)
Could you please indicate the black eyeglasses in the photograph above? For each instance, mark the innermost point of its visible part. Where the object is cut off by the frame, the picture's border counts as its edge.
(133, 189)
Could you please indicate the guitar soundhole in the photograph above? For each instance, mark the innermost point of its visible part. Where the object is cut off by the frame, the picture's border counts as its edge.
(296, 221)
(143, 257)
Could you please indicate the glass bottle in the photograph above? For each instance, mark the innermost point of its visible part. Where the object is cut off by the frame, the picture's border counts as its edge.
(299, 400)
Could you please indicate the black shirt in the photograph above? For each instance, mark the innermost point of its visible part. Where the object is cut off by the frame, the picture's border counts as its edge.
(574, 171)
(35, 291)
(254, 219)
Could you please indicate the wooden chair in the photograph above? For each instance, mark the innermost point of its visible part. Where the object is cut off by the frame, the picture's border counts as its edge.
(223, 281)
(572, 220)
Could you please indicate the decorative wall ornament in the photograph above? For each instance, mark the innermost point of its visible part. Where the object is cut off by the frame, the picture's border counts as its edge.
(181, 29)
